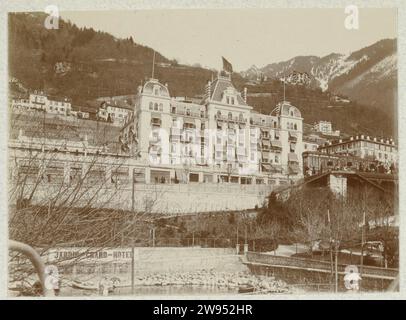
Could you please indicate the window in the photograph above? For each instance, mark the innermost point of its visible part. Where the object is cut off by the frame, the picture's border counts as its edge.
(156, 91)
(291, 113)
(173, 110)
(201, 113)
(188, 112)
(151, 106)
(232, 100)
(230, 116)
(295, 126)
(161, 107)
(156, 106)
(276, 159)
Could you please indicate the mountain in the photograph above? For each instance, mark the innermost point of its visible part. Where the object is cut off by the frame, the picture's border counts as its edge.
(83, 64)
(368, 75)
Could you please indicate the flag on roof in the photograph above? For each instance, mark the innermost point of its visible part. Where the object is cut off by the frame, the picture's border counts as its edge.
(227, 66)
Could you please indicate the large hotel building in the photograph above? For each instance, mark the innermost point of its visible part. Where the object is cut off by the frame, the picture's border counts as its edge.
(219, 139)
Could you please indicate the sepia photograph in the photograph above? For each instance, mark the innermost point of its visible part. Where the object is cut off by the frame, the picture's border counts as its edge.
(245, 152)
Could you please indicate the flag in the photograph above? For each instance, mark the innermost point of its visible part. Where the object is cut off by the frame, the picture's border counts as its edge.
(227, 66)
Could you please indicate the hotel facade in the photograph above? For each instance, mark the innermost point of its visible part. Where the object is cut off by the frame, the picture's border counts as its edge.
(220, 139)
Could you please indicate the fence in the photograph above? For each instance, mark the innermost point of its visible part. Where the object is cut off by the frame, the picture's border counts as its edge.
(316, 265)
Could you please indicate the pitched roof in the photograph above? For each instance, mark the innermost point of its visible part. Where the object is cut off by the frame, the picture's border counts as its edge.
(219, 86)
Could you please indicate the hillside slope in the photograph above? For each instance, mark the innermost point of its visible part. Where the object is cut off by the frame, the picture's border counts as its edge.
(83, 64)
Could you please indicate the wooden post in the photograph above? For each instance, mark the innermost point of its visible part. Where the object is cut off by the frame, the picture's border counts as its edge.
(336, 269)
(132, 268)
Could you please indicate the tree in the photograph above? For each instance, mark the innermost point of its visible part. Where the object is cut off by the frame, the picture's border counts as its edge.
(51, 207)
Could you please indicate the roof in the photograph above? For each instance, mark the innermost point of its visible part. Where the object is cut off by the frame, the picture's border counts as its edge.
(288, 110)
(151, 84)
(220, 85)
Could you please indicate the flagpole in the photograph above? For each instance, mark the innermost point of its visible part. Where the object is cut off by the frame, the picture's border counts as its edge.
(153, 65)
(284, 87)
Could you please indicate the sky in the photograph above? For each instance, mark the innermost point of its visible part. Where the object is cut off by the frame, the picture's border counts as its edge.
(244, 36)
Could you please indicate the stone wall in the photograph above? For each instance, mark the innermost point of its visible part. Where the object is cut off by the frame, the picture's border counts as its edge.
(168, 198)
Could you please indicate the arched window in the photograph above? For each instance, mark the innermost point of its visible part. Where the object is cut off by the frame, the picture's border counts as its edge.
(291, 113)
(295, 126)
(156, 106)
(151, 106)
(275, 124)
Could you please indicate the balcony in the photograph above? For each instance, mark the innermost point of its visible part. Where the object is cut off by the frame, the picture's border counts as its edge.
(292, 136)
(156, 122)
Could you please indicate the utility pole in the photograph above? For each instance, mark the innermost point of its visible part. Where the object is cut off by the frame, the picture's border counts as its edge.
(336, 267)
(153, 236)
(132, 242)
(362, 243)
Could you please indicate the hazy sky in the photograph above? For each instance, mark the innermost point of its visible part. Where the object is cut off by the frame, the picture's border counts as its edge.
(244, 37)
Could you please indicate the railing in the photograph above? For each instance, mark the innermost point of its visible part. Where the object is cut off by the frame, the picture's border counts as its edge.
(37, 262)
(316, 265)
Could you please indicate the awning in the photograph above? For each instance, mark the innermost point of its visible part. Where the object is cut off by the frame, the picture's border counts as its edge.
(293, 135)
(276, 168)
(266, 167)
(292, 157)
(276, 144)
(294, 168)
(180, 175)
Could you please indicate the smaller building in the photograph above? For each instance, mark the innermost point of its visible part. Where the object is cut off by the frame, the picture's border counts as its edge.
(115, 111)
(326, 128)
(39, 101)
(365, 147)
